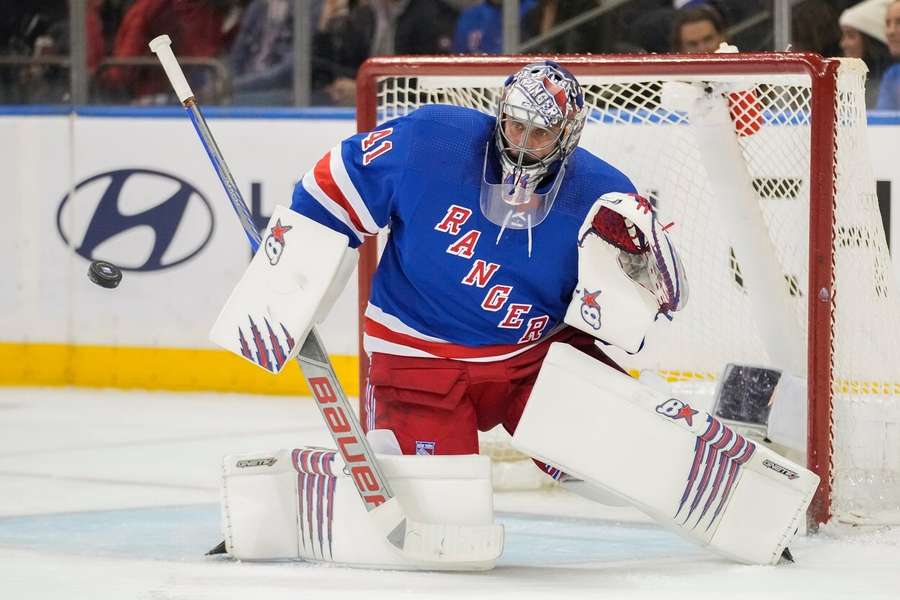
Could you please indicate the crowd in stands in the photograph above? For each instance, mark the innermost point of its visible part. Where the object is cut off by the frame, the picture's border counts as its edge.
(242, 51)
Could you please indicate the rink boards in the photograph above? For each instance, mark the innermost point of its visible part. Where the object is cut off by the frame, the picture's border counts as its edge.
(133, 186)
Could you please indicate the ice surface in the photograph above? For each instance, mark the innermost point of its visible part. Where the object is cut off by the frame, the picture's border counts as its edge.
(108, 495)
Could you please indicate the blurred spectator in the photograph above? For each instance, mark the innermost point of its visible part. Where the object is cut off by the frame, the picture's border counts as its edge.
(863, 36)
(460, 5)
(262, 58)
(198, 28)
(889, 96)
(649, 31)
(95, 40)
(731, 11)
(111, 13)
(22, 23)
(479, 29)
(698, 29)
(814, 28)
(406, 26)
(642, 26)
(748, 37)
(587, 37)
(335, 56)
(35, 30)
(41, 29)
(376, 28)
(649, 24)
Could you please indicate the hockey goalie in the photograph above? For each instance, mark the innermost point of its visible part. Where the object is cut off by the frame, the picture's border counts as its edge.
(514, 257)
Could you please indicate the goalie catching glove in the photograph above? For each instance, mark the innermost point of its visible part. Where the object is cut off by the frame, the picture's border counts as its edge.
(628, 272)
(294, 278)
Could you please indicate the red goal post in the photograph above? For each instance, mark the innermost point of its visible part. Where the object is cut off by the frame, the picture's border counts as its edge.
(810, 112)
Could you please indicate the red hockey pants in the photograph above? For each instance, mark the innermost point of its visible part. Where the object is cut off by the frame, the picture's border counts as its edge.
(437, 406)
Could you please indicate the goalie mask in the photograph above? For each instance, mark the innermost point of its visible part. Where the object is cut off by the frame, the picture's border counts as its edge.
(539, 120)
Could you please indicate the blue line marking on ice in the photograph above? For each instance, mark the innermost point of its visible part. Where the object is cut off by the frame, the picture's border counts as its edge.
(158, 533)
(188, 532)
(534, 540)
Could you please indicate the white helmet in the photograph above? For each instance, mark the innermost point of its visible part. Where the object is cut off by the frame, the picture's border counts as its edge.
(544, 101)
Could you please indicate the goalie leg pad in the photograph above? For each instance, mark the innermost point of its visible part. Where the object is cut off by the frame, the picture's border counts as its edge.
(679, 465)
(302, 504)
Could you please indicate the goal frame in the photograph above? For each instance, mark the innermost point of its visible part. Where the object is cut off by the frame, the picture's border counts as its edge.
(823, 112)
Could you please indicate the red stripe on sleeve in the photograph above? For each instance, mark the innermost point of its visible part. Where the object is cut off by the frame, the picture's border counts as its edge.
(322, 174)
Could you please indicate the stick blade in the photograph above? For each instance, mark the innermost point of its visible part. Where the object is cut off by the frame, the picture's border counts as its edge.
(444, 546)
(437, 543)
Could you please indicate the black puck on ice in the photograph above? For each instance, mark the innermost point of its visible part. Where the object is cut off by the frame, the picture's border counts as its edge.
(104, 274)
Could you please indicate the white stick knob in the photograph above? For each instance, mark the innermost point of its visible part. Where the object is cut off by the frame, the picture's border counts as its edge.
(161, 45)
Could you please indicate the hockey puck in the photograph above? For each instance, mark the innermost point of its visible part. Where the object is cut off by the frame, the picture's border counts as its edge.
(104, 274)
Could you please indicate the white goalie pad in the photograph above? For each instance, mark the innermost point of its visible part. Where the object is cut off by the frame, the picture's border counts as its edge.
(295, 276)
(302, 504)
(679, 465)
(619, 295)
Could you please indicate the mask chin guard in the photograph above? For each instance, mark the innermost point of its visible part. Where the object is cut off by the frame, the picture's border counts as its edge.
(516, 203)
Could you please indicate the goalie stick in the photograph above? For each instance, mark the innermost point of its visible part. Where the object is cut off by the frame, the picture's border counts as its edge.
(417, 541)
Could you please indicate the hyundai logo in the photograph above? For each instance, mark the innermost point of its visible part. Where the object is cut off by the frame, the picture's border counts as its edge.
(140, 219)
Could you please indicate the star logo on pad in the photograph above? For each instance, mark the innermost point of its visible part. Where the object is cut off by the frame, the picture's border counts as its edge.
(590, 298)
(676, 409)
(274, 243)
(687, 413)
(279, 230)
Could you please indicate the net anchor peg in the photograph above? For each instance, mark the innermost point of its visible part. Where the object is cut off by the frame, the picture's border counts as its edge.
(824, 295)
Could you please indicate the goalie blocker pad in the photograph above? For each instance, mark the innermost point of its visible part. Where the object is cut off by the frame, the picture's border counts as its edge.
(295, 276)
(302, 504)
(679, 465)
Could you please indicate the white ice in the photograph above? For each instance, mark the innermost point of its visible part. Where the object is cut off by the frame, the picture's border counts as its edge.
(113, 495)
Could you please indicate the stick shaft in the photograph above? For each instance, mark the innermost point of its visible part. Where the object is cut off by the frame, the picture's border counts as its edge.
(317, 369)
(221, 168)
(417, 541)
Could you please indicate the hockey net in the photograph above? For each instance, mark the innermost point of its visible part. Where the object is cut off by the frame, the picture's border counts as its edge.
(776, 218)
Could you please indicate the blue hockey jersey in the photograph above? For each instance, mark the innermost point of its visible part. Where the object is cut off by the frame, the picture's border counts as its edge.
(446, 286)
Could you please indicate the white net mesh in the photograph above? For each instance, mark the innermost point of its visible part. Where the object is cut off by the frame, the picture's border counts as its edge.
(748, 292)
(866, 401)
